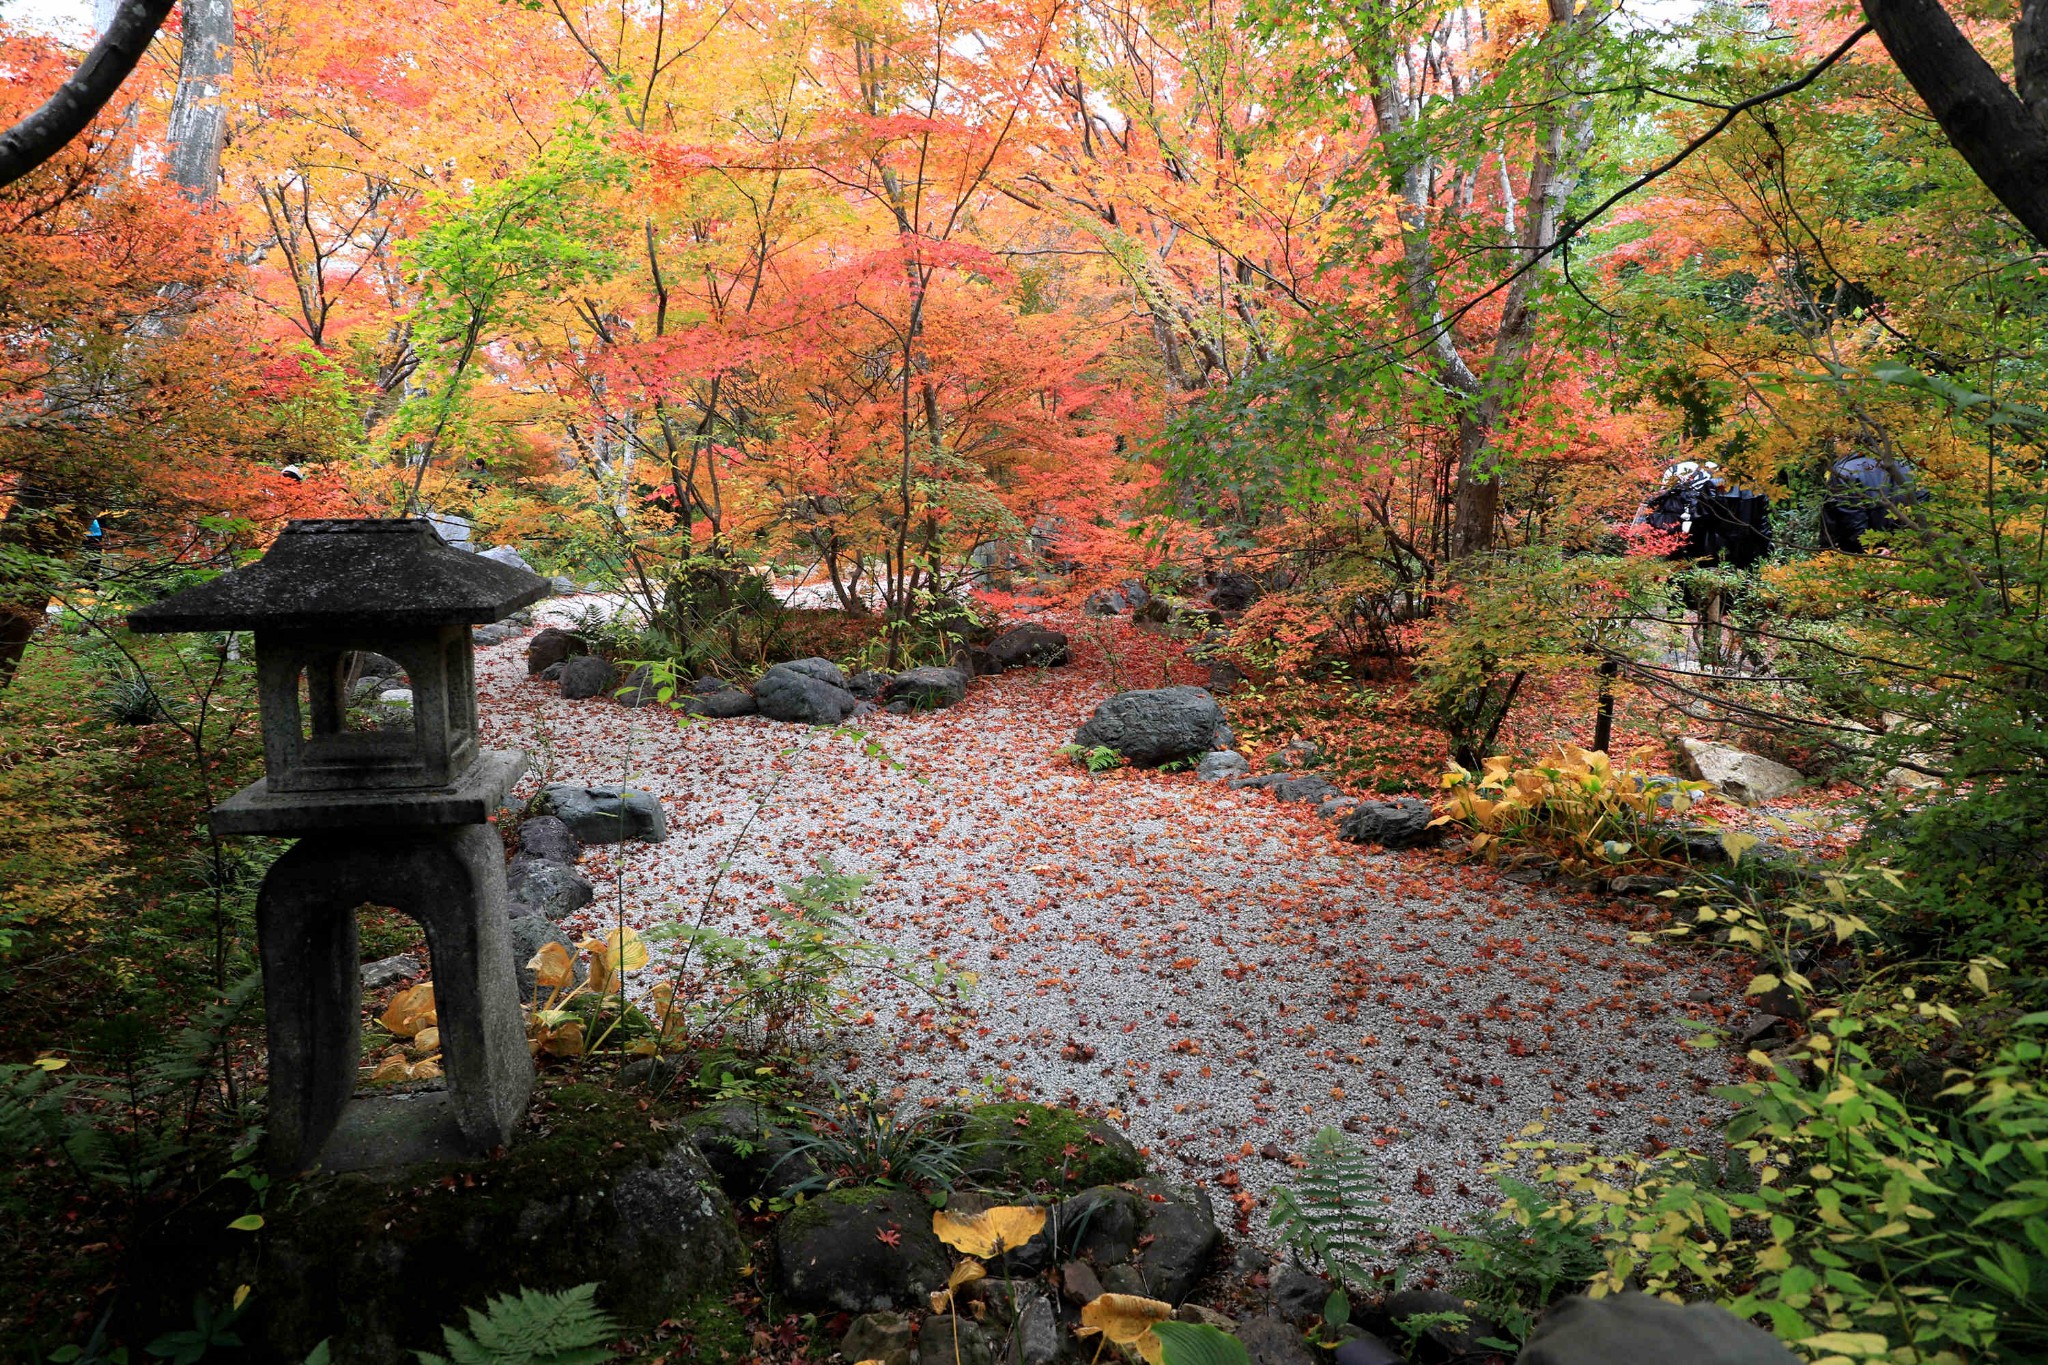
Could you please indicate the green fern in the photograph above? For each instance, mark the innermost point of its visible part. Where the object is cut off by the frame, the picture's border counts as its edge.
(1333, 1218)
(531, 1327)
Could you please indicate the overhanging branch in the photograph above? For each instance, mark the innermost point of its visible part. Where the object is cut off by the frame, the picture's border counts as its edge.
(62, 117)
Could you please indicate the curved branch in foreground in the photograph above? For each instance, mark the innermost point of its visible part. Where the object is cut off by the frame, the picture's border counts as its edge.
(2005, 142)
(37, 138)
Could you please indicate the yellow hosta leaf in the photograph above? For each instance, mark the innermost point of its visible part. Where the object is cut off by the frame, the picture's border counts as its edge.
(427, 1039)
(552, 967)
(966, 1273)
(427, 1069)
(990, 1232)
(622, 950)
(1125, 1319)
(410, 1011)
(566, 1041)
(627, 949)
(392, 1068)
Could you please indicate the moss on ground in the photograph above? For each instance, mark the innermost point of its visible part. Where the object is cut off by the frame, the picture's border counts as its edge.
(1025, 1145)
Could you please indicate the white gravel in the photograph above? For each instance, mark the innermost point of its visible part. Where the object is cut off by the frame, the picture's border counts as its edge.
(1243, 977)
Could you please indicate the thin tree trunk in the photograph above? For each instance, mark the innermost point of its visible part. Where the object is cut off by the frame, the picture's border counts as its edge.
(198, 124)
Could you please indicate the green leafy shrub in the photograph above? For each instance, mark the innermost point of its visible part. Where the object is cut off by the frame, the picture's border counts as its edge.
(1866, 1229)
(792, 979)
(1571, 796)
(1523, 1257)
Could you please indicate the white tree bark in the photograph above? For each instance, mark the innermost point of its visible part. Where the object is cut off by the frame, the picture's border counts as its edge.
(199, 109)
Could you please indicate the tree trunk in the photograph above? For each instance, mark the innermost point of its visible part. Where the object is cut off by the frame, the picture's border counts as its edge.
(2004, 136)
(198, 125)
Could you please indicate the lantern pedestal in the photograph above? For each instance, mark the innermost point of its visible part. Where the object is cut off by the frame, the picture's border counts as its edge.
(451, 880)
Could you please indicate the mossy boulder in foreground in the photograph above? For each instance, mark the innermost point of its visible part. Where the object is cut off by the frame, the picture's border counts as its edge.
(1026, 1147)
(377, 1263)
(860, 1250)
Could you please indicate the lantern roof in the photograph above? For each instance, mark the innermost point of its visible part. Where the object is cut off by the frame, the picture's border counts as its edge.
(350, 575)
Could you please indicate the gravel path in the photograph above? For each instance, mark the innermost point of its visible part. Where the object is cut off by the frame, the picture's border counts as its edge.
(1213, 970)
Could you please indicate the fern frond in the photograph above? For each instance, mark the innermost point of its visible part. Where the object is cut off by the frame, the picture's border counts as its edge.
(531, 1327)
(1333, 1218)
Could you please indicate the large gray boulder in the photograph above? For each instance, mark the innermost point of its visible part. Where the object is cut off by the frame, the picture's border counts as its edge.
(1028, 646)
(725, 703)
(927, 689)
(834, 1256)
(824, 670)
(639, 688)
(604, 815)
(1749, 779)
(552, 645)
(1628, 1329)
(1102, 1225)
(1181, 1226)
(804, 692)
(868, 684)
(553, 889)
(1400, 823)
(505, 554)
(1234, 591)
(1270, 1339)
(587, 675)
(1155, 725)
(544, 836)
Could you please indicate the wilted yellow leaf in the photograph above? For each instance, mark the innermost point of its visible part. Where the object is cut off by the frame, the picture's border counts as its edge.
(427, 1039)
(428, 1069)
(1123, 1318)
(622, 950)
(991, 1232)
(410, 1011)
(966, 1273)
(566, 1041)
(392, 1068)
(552, 967)
(628, 951)
(1127, 1319)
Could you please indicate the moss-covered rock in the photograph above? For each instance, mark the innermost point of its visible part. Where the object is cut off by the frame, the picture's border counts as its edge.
(1027, 1147)
(859, 1250)
(377, 1263)
(751, 1157)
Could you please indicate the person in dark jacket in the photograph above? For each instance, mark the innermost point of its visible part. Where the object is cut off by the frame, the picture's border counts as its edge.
(1865, 495)
(1719, 521)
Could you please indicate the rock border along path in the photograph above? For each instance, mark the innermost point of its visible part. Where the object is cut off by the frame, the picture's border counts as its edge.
(1213, 969)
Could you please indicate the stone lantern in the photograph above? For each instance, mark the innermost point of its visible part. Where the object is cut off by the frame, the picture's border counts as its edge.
(384, 817)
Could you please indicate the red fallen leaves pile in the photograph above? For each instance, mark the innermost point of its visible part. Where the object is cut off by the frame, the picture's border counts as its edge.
(1211, 970)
